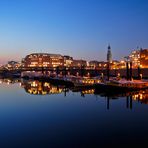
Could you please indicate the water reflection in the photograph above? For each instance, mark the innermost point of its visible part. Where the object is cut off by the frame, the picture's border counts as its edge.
(41, 88)
(40, 112)
(141, 96)
(10, 81)
(45, 88)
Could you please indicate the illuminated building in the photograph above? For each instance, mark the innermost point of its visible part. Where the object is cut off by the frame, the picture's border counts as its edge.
(43, 60)
(93, 64)
(97, 65)
(135, 58)
(115, 64)
(121, 65)
(68, 61)
(139, 58)
(12, 65)
(102, 65)
(79, 63)
(144, 58)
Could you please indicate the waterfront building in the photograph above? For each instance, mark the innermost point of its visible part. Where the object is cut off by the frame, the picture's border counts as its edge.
(139, 58)
(115, 64)
(121, 65)
(68, 61)
(79, 63)
(109, 55)
(97, 65)
(11, 65)
(103, 65)
(43, 60)
(135, 58)
(93, 64)
(144, 58)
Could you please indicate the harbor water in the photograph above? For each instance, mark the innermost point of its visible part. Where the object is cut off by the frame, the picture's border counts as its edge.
(39, 115)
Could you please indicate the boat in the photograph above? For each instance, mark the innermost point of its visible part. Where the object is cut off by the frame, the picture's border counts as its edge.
(122, 85)
(85, 82)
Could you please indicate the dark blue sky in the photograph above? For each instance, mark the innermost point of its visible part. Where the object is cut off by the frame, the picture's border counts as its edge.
(80, 28)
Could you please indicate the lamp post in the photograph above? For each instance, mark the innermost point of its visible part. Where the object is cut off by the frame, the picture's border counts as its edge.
(127, 67)
(139, 71)
(131, 69)
(108, 70)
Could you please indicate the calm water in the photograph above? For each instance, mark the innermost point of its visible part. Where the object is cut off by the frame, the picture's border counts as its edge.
(66, 118)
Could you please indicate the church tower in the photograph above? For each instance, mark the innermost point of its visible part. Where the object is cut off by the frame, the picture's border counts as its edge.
(109, 54)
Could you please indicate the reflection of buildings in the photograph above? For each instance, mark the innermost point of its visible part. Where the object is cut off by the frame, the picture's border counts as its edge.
(9, 81)
(88, 91)
(41, 88)
(142, 96)
(43, 60)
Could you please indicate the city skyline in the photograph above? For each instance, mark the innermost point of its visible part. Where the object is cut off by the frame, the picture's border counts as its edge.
(82, 29)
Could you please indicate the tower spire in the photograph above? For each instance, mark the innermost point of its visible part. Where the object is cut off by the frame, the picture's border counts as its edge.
(109, 54)
(109, 47)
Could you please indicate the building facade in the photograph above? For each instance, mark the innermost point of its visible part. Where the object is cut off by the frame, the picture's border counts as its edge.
(68, 61)
(93, 64)
(11, 65)
(135, 58)
(144, 58)
(139, 58)
(43, 60)
(79, 63)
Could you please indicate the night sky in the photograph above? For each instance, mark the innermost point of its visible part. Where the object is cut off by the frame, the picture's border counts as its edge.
(79, 28)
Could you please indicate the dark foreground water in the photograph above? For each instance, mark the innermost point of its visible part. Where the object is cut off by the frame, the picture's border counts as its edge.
(61, 118)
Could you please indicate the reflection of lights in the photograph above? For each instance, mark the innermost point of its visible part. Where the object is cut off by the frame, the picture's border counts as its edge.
(36, 88)
(34, 84)
(44, 92)
(91, 91)
(88, 81)
(102, 74)
(46, 84)
(134, 98)
(118, 74)
(122, 61)
(141, 76)
(141, 96)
